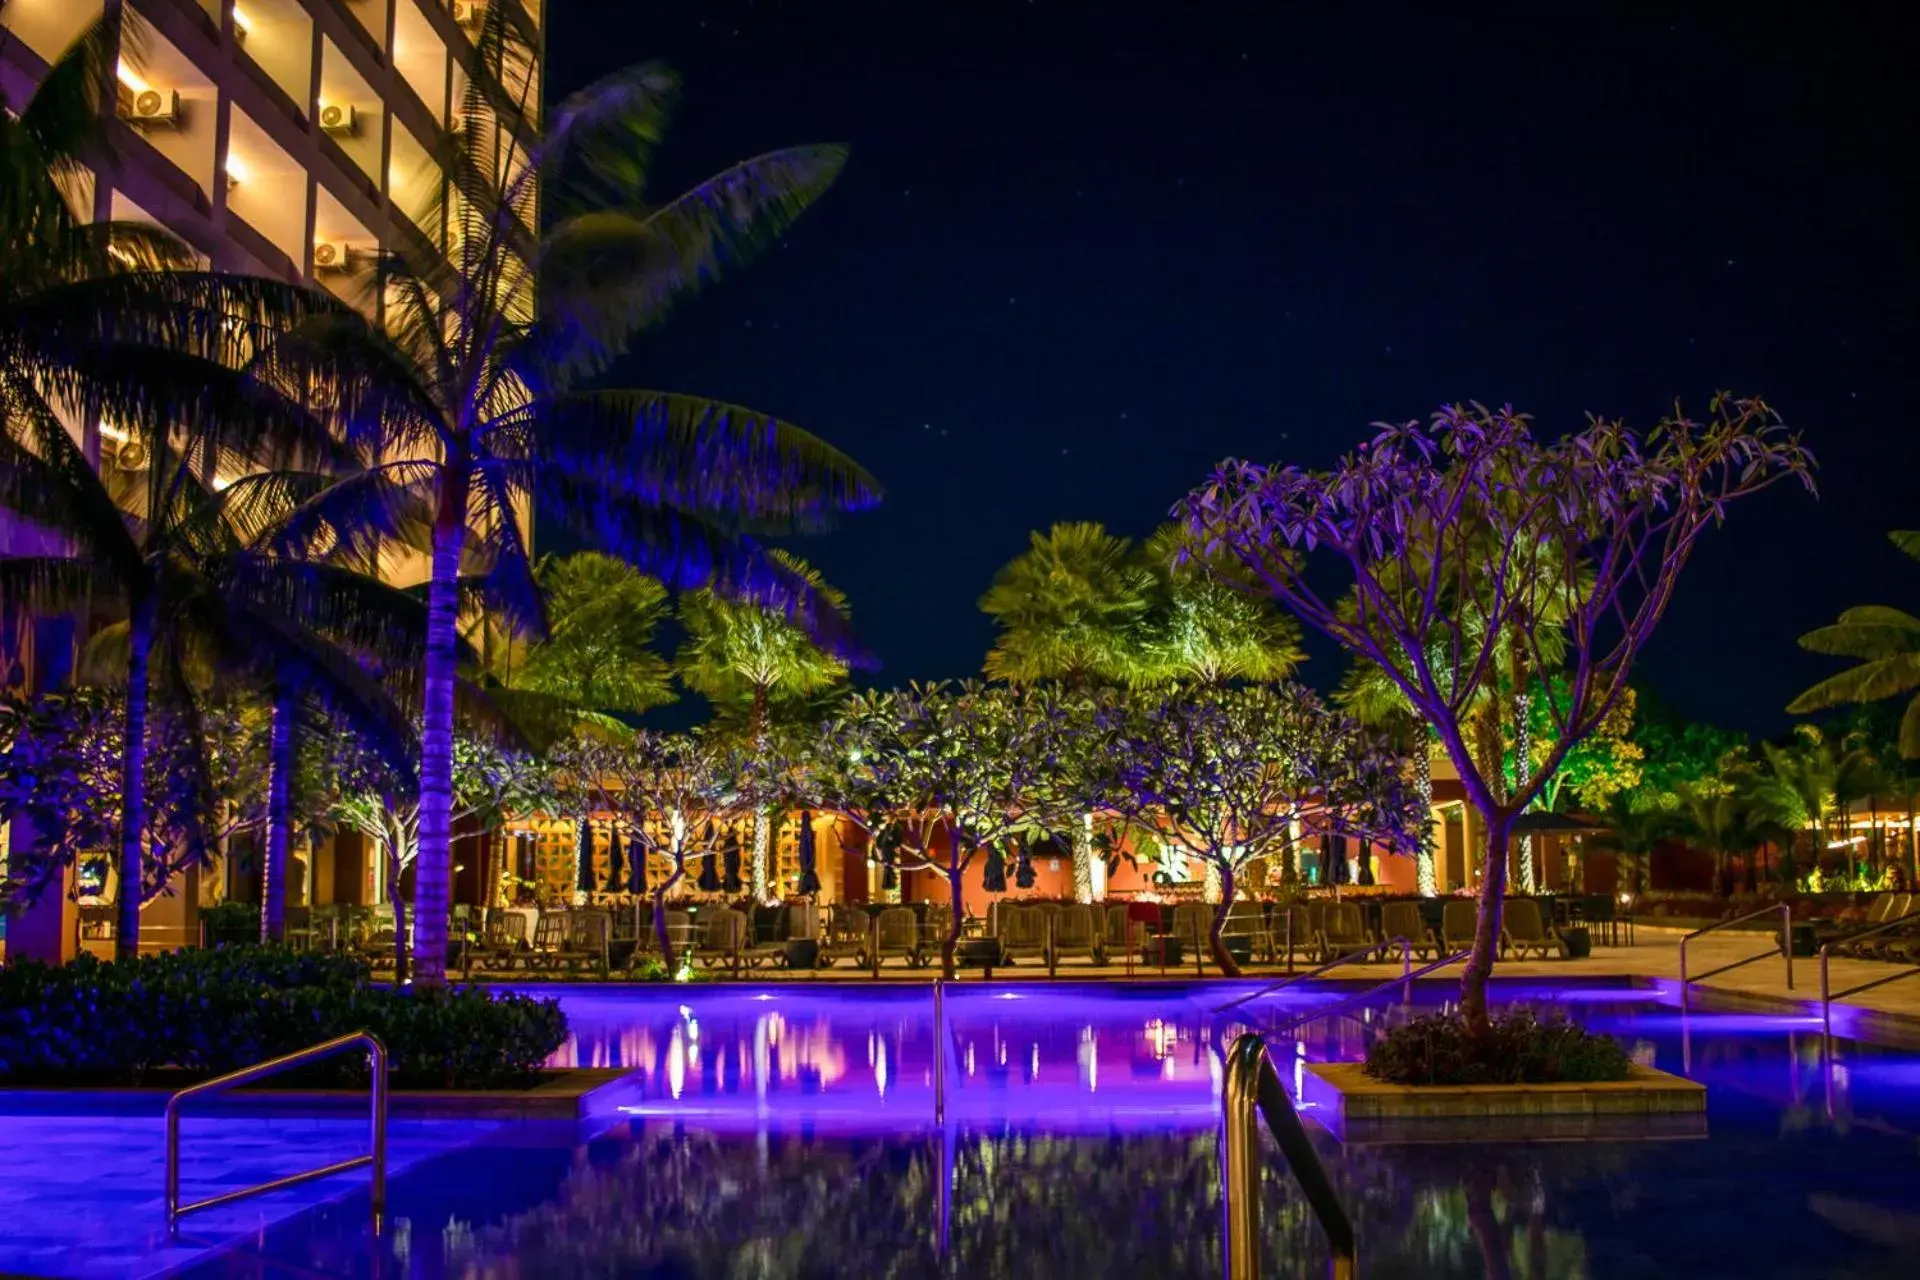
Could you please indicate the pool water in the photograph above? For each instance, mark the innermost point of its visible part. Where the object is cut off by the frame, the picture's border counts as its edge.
(790, 1132)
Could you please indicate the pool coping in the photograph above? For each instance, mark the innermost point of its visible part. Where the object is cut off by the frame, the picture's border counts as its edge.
(1649, 1103)
(567, 1093)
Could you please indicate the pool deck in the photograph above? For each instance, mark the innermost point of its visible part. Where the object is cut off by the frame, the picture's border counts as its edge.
(1654, 958)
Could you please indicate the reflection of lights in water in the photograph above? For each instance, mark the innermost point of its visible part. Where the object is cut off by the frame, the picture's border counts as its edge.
(1008, 995)
(969, 1057)
(1215, 1073)
(1000, 1054)
(1033, 1071)
(676, 1063)
(763, 996)
(1090, 1058)
(880, 1069)
(1162, 1037)
(1299, 1071)
(873, 1040)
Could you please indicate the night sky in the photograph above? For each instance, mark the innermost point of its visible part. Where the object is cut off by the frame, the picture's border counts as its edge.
(1083, 251)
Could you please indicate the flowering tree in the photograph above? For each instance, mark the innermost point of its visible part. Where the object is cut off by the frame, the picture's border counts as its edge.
(1227, 776)
(61, 771)
(970, 760)
(381, 800)
(1459, 535)
(665, 790)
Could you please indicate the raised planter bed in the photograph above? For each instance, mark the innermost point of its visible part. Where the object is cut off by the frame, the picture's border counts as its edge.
(1648, 1103)
(563, 1094)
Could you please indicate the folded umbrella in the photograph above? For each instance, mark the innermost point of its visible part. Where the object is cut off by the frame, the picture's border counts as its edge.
(709, 881)
(809, 875)
(636, 863)
(614, 865)
(1023, 869)
(731, 859)
(994, 875)
(583, 857)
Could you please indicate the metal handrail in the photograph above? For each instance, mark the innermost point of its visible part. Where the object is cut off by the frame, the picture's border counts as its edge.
(1361, 997)
(377, 1099)
(1352, 957)
(1786, 946)
(1253, 1089)
(1827, 996)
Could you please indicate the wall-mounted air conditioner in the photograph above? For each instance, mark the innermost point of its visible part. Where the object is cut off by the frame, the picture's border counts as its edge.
(468, 12)
(330, 256)
(150, 108)
(337, 118)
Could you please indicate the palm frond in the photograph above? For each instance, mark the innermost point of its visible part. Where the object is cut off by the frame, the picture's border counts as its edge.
(1869, 682)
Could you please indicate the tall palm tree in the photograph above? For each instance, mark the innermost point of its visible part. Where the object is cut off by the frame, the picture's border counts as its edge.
(1202, 626)
(477, 401)
(748, 657)
(1808, 783)
(97, 327)
(1887, 643)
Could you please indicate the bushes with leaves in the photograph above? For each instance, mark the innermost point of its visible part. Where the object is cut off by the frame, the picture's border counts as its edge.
(1515, 1048)
(200, 1013)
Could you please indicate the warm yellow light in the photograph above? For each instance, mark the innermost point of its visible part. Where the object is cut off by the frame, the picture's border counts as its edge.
(130, 78)
(241, 22)
(113, 430)
(236, 168)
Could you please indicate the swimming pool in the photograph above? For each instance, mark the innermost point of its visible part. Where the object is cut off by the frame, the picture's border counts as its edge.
(789, 1131)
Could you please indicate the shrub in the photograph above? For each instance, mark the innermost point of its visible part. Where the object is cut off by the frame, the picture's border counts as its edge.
(199, 1013)
(1517, 1048)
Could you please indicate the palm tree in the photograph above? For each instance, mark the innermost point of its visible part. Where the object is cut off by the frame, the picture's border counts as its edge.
(95, 326)
(1205, 624)
(1806, 784)
(1887, 643)
(748, 657)
(1720, 818)
(478, 400)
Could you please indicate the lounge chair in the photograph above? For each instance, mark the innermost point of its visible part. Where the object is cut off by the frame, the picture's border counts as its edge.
(1293, 929)
(1075, 934)
(1342, 931)
(896, 932)
(503, 940)
(847, 930)
(1022, 931)
(549, 937)
(722, 937)
(1458, 920)
(1122, 935)
(589, 941)
(1523, 930)
(1403, 920)
(1249, 920)
(1885, 909)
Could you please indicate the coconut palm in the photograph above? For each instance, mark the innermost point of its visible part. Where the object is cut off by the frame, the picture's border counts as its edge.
(1069, 608)
(478, 398)
(96, 328)
(751, 659)
(1887, 643)
(1808, 783)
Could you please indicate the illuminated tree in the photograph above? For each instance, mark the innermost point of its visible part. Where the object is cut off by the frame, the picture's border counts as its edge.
(1205, 627)
(1228, 775)
(935, 773)
(753, 660)
(1886, 641)
(1456, 535)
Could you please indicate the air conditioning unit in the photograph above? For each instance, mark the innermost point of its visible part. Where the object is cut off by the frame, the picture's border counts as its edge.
(330, 256)
(337, 118)
(130, 454)
(468, 12)
(151, 108)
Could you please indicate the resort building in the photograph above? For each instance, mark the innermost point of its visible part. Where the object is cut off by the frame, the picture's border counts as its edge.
(295, 139)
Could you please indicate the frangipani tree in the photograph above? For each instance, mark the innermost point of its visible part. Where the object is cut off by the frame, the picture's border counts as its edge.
(1455, 534)
(968, 762)
(1228, 776)
(481, 402)
(752, 659)
(664, 790)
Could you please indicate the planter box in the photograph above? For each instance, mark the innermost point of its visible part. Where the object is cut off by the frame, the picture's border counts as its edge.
(563, 1094)
(1648, 1103)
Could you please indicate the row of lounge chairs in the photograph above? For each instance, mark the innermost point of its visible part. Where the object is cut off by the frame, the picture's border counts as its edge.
(1873, 939)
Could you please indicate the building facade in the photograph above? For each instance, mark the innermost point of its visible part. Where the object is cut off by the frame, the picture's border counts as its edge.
(294, 139)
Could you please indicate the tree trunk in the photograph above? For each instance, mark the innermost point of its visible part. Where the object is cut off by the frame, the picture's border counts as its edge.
(273, 866)
(1083, 859)
(762, 824)
(1523, 775)
(433, 868)
(1424, 871)
(1486, 933)
(133, 781)
(957, 908)
(399, 903)
(660, 933)
(1216, 943)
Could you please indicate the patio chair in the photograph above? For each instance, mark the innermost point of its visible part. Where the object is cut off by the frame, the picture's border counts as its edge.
(1075, 934)
(1249, 920)
(770, 931)
(1885, 909)
(1293, 929)
(1403, 920)
(896, 932)
(682, 934)
(722, 936)
(1121, 934)
(846, 933)
(503, 940)
(588, 941)
(1457, 922)
(1022, 932)
(1524, 930)
(549, 936)
(1342, 931)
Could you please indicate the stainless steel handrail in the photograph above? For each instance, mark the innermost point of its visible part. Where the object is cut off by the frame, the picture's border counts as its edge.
(1352, 957)
(1361, 997)
(377, 1098)
(1252, 1090)
(939, 1052)
(1786, 946)
(1828, 996)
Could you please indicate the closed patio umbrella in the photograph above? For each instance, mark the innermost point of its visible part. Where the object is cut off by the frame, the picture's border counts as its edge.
(1023, 869)
(809, 875)
(636, 864)
(709, 880)
(583, 857)
(614, 863)
(994, 875)
(731, 861)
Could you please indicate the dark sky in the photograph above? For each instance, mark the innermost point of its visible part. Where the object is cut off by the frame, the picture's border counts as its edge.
(1083, 251)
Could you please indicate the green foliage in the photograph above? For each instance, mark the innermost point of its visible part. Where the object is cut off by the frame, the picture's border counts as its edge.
(750, 655)
(597, 656)
(1514, 1048)
(1886, 644)
(203, 1012)
(1605, 763)
(1068, 608)
(1206, 622)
